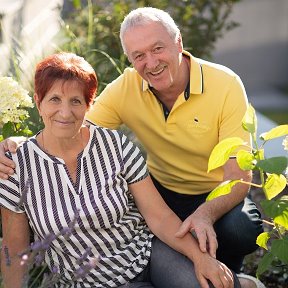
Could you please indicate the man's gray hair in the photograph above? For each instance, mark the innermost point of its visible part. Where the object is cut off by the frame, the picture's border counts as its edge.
(145, 15)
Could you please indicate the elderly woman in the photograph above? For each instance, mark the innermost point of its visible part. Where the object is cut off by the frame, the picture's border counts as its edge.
(77, 186)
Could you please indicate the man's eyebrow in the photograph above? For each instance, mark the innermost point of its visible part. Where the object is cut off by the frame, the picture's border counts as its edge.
(135, 53)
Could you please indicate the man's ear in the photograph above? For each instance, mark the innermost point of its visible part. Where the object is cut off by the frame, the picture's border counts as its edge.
(180, 43)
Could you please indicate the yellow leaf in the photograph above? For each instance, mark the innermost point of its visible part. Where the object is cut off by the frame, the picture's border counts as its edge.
(222, 151)
(278, 131)
(262, 240)
(274, 185)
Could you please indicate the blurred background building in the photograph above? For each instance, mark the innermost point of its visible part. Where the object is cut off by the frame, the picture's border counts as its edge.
(258, 49)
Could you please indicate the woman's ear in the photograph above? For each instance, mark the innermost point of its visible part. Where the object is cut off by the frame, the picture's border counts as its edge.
(37, 102)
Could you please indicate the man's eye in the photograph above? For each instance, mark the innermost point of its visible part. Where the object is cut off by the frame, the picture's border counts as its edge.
(158, 49)
(139, 57)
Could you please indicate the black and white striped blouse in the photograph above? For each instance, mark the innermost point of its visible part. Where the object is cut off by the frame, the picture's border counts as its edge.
(99, 209)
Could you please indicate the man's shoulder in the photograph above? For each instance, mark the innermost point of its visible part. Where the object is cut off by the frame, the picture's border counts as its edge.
(129, 76)
(212, 67)
(129, 73)
(128, 81)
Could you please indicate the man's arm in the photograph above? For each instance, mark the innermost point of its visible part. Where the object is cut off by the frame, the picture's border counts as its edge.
(6, 165)
(202, 220)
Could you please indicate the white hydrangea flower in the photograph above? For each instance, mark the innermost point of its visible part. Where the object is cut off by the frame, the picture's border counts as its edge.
(13, 101)
(285, 143)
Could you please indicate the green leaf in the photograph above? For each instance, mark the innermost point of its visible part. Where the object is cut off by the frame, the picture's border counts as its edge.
(274, 208)
(246, 160)
(249, 122)
(273, 165)
(8, 130)
(282, 219)
(77, 4)
(1, 138)
(276, 132)
(264, 263)
(26, 132)
(274, 185)
(279, 249)
(223, 189)
(222, 151)
(262, 240)
(259, 154)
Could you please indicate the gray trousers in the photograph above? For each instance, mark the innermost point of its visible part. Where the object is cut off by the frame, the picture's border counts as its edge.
(168, 269)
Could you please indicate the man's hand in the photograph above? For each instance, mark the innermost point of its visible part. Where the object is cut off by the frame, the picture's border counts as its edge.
(208, 268)
(6, 165)
(202, 229)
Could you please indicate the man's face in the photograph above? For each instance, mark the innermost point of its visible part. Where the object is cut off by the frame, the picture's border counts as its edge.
(154, 54)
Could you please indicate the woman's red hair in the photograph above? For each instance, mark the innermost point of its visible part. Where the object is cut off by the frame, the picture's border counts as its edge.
(65, 66)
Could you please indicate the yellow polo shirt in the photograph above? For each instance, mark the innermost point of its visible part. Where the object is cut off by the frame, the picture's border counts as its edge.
(179, 147)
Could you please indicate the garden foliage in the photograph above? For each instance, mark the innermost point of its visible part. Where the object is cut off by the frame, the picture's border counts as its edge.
(273, 182)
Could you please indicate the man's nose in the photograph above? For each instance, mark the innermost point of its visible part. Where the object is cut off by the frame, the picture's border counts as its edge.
(151, 61)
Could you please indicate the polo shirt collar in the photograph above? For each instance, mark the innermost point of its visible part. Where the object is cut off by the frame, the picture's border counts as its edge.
(196, 76)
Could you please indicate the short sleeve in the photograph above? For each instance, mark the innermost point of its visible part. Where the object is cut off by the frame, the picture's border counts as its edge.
(233, 112)
(10, 196)
(135, 168)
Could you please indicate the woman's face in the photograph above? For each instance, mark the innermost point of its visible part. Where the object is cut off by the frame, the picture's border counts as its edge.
(63, 109)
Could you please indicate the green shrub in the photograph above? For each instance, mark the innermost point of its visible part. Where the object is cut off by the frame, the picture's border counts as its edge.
(272, 182)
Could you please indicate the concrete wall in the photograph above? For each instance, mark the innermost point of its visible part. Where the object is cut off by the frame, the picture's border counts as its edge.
(258, 49)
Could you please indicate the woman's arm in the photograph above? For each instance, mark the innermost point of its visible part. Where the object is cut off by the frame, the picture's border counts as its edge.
(164, 223)
(16, 236)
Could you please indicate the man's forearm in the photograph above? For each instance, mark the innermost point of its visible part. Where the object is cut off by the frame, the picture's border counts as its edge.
(219, 206)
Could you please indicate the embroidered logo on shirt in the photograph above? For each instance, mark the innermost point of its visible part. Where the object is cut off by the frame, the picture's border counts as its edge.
(195, 123)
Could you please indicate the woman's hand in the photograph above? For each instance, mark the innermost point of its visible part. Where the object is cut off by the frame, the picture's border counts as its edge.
(209, 268)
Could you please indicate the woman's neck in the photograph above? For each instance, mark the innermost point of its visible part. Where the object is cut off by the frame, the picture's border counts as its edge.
(63, 147)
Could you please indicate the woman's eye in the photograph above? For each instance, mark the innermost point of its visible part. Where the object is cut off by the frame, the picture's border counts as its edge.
(54, 99)
(76, 101)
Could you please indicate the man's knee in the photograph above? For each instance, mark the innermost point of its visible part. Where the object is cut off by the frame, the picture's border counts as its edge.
(240, 227)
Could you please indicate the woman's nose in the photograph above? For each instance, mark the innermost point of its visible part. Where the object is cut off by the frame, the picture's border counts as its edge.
(65, 110)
